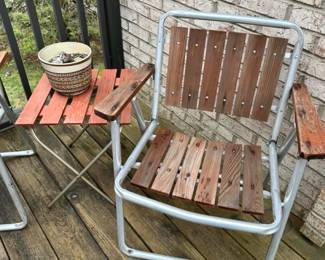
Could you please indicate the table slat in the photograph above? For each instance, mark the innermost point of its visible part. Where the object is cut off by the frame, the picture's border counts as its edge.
(105, 86)
(77, 110)
(51, 114)
(35, 104)
(126, 113)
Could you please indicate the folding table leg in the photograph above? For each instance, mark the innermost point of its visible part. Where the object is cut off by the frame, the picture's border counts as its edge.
(79, 174)
(75, 139)
(287, 205)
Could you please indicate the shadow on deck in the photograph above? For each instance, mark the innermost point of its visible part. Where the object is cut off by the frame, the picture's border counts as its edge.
(82, 225)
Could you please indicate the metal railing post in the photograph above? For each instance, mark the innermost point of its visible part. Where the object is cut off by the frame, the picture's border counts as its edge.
(34, 23)
(14, 48)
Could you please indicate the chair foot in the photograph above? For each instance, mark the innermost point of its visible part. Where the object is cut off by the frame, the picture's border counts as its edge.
(125, 249)
(287, 206)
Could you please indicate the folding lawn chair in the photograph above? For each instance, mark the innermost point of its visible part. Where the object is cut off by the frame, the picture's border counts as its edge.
(210, 172)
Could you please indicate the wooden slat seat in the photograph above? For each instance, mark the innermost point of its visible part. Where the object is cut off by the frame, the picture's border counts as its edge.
(48, 107)
(210, 172)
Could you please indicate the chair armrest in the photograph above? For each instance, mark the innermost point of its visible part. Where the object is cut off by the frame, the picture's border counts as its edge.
(310, 131)
(112, 105)
(3, 58)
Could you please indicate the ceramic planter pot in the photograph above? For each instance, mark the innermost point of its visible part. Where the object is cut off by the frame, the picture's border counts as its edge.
(71, 78)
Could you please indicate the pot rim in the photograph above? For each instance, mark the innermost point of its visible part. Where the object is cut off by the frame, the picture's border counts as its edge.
(64, 64)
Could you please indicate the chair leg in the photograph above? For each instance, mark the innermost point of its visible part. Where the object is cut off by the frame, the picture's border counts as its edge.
(121, 238)
(287, 206)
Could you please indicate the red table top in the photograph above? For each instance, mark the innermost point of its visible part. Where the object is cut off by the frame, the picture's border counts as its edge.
(48, 107)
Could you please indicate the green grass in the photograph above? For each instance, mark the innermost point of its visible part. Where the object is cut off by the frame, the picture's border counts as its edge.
(25, 39)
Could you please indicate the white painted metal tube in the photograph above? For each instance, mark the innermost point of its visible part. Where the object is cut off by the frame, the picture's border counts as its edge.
(9, 183)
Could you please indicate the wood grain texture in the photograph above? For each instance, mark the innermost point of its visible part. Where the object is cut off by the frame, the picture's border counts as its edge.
(269, 78)
(35, 103)
(166, 175)
(252, 180)
(193, 68)
(177, 47)
(125, 116)
(144, 176)
(185, 184)
(230, 70)
(229, 188)
(111, 106)
(51, 113)
(207, 187)
(249, 75)
(78, 108)
(105, 85)
(212, 66)
(3, 58)
(310, 130)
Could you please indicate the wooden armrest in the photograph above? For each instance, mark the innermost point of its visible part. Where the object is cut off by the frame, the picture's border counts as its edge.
(310, 131)
(3, 57)
(112, 105)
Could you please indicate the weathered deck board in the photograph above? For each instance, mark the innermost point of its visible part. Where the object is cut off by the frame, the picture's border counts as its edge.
(64, 229)
(160, 239)
(97, 214)
(29, 243)
(3, 253)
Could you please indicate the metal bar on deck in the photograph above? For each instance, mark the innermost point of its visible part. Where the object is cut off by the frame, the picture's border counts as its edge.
(59, 20)
(82, 22)
(34, 23)
(14, 48)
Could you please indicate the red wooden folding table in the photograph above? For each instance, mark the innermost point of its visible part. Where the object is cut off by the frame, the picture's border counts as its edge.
(47, 107)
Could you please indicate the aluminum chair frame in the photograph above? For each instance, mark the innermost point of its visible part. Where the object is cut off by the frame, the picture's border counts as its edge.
(281, 209)
(6, 177)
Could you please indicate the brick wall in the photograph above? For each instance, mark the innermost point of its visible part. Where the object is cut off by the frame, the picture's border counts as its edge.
(139, 22)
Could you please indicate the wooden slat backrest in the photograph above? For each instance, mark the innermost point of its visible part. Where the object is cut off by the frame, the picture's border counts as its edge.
(226, 72)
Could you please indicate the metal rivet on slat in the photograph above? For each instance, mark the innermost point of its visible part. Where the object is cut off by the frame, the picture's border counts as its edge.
(178, 43)
(206, 97)
(224, 100)
(215, 46)
(274, 54)
(189, 95)
(235, 48)
(196, 44)
(173, 92)
(242, 103)
(261, 106)
(254, 51)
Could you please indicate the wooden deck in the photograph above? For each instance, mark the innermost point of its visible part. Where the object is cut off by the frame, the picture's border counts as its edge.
(82, 225)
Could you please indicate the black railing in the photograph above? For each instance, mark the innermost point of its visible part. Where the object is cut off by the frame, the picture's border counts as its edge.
(109, 27)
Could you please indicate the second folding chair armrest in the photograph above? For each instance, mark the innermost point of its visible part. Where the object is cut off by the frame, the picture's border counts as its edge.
(112, 105)
(310, 131)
